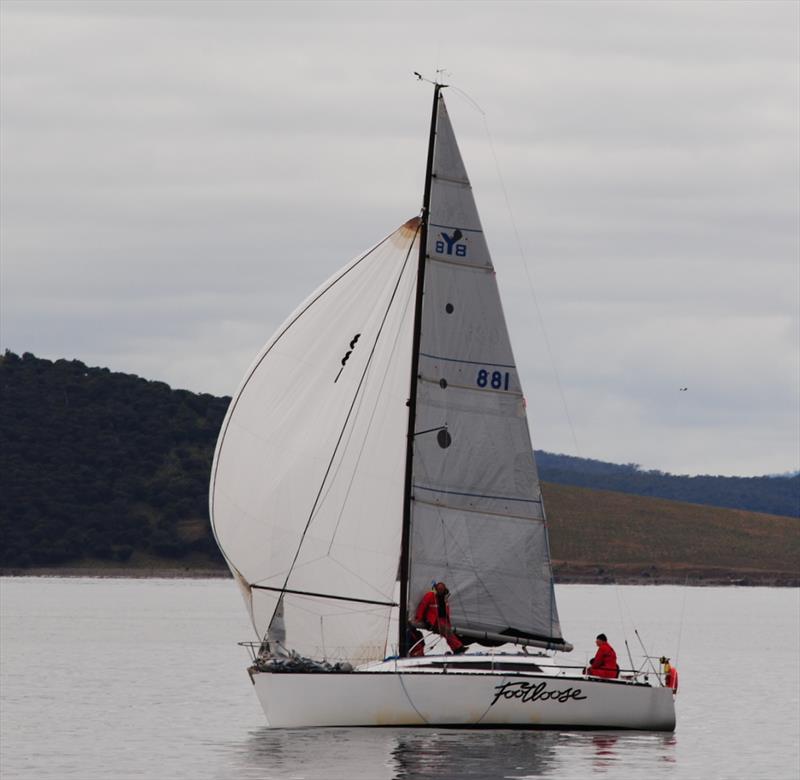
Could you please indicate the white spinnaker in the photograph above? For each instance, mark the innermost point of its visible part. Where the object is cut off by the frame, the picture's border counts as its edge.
(307, 482)
(477, 518)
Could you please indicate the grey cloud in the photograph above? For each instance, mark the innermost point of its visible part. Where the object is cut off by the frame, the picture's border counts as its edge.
(178, 176)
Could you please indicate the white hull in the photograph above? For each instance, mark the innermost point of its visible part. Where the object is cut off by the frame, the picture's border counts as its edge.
(408, 698)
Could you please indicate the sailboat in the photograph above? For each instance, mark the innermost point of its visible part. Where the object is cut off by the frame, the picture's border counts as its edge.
(377, 445)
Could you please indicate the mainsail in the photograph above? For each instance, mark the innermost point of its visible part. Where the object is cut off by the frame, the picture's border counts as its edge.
(312, 467)
(477, 520)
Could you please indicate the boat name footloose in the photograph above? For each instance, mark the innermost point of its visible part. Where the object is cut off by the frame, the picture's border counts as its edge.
(526, 691)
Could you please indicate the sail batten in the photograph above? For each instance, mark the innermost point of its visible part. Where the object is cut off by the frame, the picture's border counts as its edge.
(452, 359)
(477, 495)
(442, 505)
(455, 227)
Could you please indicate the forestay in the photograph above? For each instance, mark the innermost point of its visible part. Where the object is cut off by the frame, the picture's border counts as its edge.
(477, 520)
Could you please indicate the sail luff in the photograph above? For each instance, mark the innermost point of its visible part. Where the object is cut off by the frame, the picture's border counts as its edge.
(412, 398)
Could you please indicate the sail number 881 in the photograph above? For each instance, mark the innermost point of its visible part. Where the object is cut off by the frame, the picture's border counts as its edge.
(494, 379)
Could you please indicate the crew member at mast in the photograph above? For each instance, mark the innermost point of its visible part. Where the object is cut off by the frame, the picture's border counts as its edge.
(604, 663)
(433, 613)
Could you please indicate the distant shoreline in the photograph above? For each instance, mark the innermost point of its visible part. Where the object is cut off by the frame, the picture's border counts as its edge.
(573, 575)
(675, 574)
(120, 572)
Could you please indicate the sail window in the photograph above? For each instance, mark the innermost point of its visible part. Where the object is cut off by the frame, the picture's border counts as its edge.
(449, 308)
(444, 438)
(443, 383)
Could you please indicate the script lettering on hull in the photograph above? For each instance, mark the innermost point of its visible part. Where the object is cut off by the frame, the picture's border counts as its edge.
(528, 691)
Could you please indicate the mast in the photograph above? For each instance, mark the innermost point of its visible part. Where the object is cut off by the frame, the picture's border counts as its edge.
(412, 396)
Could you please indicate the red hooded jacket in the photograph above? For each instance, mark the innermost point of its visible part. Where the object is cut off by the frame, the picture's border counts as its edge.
(428, 613)
(428, 610)
(604, 663)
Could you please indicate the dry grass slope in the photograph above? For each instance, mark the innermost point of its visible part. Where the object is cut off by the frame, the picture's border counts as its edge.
(602, 535)
(595, 536)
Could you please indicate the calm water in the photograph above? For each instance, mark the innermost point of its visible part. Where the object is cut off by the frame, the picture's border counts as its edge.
(143, 679)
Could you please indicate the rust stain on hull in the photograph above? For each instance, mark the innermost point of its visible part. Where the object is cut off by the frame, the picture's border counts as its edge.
(398, 717)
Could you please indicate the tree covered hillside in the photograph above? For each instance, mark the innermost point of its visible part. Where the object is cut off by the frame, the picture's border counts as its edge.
(773, 495)
(98, 464)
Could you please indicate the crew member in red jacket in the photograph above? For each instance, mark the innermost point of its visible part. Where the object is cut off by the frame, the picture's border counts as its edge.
(434, 613)
(604, 663)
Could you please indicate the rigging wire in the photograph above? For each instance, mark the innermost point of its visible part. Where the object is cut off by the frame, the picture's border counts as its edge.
(621, 602)
(621, 613)
(680, 623)
(646, 654)
(525, 266)
(630, 657)
(539, 314)
(553, 608)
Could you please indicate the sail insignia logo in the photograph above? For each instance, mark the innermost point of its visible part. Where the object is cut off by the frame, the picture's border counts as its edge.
(450, 245)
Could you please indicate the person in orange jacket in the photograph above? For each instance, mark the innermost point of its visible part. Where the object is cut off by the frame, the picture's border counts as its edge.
(604, 663)
(434, 613)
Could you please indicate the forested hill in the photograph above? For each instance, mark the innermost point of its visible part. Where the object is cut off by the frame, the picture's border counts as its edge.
(778, 495)
(102, 465)
(98, 464)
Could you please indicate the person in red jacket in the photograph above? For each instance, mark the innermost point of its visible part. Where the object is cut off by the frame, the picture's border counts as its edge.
(433, 613)
(604, 663)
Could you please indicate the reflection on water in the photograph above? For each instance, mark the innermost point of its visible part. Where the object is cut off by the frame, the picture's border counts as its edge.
(317, 753)
(448, 754)
(605, 755)
(455, 754)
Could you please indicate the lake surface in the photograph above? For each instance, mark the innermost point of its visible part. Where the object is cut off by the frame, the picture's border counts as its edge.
(132, 678)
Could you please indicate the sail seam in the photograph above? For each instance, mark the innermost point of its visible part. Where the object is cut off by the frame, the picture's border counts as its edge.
(488, 513)
(452, 180)
(477, 495)
(470, 362)
(512, 393)
(458, 227)
(487, 269)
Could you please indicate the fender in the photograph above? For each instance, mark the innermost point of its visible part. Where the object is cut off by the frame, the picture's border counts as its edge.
(671, 679)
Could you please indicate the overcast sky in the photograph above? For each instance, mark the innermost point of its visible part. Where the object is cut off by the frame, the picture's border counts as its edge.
(176, 177)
